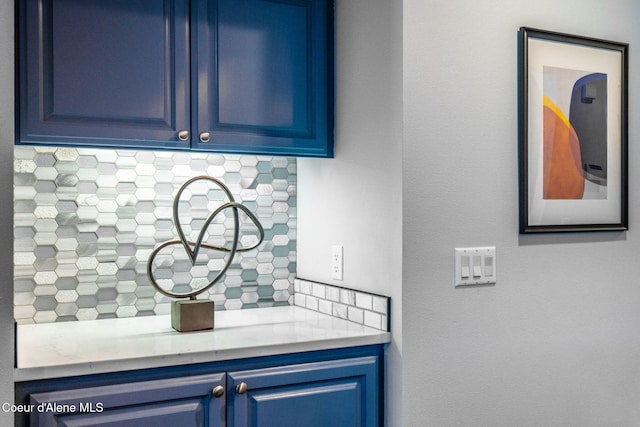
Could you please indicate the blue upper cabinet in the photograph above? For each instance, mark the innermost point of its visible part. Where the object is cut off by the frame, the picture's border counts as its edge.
(103, 73)
(233, 76)
(264, 81)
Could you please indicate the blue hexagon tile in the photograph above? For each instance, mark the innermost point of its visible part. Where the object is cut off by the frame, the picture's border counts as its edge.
(86, 221)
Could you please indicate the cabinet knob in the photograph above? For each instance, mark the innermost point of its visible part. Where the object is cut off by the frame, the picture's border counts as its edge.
(183, 135)
(205, 137)
(218, 391)
(242, 388)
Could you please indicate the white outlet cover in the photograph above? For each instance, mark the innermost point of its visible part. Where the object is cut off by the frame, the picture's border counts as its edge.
(336, 262)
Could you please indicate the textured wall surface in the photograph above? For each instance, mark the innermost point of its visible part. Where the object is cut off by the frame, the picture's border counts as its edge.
(555, 341)
(86, 221)
(355, 199)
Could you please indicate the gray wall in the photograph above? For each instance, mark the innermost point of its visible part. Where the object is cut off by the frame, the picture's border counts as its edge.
(6, 209)
(555, 342)
(355, 199)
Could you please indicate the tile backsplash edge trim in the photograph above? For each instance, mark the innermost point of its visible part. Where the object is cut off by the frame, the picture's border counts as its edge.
(353, 305)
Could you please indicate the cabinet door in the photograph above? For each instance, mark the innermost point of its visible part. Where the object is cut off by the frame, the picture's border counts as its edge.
(103, 72)
(264, 76)
(187, 402)
(334, 393)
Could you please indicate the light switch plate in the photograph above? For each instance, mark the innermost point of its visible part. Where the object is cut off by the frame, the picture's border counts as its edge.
(475, 266)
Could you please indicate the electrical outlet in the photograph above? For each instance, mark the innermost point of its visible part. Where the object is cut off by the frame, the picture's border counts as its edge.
(336, 262)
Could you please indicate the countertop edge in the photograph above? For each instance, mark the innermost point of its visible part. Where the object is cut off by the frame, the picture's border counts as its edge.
(150, 362)
(298, 344)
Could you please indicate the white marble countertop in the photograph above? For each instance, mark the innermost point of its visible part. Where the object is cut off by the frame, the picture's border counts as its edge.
(66, 349)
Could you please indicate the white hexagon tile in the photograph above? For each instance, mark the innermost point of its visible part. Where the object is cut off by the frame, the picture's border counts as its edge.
(86, 221)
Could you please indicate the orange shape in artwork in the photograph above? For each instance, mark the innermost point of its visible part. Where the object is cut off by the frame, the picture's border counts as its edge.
(563, 175)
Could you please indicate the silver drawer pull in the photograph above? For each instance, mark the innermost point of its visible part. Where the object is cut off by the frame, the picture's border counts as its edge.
(242, 388)
(205, 137)
(183, 135)
(218, 391)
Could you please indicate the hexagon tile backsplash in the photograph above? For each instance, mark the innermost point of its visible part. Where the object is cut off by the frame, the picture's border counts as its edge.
(86, 220)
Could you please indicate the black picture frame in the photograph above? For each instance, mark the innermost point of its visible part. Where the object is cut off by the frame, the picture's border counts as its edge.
(573, 133)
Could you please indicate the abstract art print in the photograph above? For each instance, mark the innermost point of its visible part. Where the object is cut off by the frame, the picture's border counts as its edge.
(573, 133)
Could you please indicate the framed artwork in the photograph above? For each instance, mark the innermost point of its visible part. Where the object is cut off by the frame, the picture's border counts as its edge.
(572, 133)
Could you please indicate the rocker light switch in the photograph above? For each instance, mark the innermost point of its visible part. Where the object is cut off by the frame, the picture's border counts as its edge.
(477, 269)
(464, 272)
(488, 265)
(475, 266)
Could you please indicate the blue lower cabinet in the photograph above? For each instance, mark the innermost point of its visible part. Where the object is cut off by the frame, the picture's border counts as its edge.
(186, 401)
(335, 388)
(333, 393)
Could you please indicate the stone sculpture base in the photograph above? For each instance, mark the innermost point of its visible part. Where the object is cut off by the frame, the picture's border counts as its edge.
(192, 315)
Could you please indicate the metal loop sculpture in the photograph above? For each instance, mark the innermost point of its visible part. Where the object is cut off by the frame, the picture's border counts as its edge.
(193, 248)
